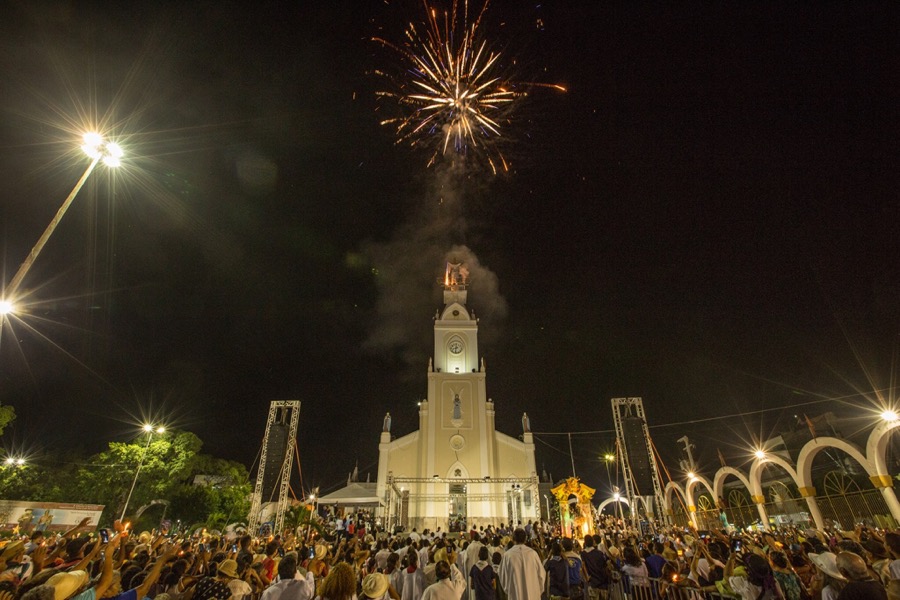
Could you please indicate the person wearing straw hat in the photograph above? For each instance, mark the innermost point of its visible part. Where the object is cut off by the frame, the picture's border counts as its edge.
(72, 584)
(376, 586)
(215, 587)
(318, 566)
(828, 581)
(228, 569)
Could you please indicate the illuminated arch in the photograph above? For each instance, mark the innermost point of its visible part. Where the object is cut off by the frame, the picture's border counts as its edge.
(609, 501)
(876, 446)
(722, 474)
(152, 503)
(756, 472)
(673, 487)
(689, 489)
(813, 447)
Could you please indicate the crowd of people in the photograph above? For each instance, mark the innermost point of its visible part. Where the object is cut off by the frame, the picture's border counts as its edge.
(354, 560)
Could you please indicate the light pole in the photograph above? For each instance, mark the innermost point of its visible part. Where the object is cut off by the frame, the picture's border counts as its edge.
(99, 150)
(150, 431)
(314, 500)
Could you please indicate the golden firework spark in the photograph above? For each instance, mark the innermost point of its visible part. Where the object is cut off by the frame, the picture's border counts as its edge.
(452, 93)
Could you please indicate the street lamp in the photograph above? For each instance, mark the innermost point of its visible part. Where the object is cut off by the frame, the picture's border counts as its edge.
(98, 150)
(150, 429)
(890, 416)
(608, 458)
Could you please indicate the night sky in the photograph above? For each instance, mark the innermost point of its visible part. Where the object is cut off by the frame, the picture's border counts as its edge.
(709, 219)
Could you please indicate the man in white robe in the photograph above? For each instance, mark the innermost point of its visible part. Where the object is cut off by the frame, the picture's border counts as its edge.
(521, 572)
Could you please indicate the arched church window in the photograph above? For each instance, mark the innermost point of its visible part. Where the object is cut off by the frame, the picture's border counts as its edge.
(457, 408)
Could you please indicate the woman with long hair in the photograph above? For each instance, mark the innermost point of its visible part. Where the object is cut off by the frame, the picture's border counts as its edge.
(789, 581)
(758, 582)
(339, 584)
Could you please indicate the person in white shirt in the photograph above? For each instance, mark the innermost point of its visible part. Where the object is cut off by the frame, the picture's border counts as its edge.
(450, 583)
(289, 587)
(522, 575)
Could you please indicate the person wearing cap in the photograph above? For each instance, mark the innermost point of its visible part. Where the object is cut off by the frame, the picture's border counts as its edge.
(376, 586)
(828, 582)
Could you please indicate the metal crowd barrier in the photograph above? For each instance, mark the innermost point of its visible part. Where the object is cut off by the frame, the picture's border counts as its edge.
(657, 589)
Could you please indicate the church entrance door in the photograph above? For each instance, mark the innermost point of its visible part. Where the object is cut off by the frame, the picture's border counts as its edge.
(457, 507)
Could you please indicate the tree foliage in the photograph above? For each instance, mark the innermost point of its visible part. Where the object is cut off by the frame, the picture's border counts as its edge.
(169, 467)
(7, 414)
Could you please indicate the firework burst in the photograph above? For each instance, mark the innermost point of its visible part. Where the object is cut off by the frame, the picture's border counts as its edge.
(451, 92)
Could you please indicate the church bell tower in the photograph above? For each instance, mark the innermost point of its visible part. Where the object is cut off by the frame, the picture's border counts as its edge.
(455, 329)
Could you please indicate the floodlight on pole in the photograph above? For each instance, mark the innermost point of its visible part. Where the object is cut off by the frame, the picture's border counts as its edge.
(150, 430)
(98, 150)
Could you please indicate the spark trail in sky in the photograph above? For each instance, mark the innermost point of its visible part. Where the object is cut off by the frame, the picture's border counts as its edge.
(452, 92)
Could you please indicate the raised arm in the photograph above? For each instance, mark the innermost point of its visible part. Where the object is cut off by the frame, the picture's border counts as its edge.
(106, 575)
(167, 553)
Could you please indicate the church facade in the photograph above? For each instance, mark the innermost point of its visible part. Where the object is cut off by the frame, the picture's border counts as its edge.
(456, 470)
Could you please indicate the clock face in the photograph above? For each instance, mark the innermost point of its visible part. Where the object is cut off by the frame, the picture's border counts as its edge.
(455, 347)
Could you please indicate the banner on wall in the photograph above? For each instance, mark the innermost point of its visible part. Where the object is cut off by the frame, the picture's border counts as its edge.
(46, 516)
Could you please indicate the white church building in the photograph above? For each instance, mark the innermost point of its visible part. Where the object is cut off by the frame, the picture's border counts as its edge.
(456, 470)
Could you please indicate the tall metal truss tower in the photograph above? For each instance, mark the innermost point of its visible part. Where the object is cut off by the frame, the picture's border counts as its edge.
(280, 411)
(636, 456)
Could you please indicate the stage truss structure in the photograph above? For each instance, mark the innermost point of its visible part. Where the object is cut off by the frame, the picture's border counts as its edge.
(276, 408)
(634, 407)
(399, 490)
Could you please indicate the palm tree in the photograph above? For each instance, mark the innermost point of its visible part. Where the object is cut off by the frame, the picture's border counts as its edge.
(300, 516)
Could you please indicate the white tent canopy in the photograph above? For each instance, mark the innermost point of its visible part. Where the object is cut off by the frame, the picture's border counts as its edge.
(353, 494)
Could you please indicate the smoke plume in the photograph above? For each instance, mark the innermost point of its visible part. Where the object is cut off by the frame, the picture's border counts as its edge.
(410, 271)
